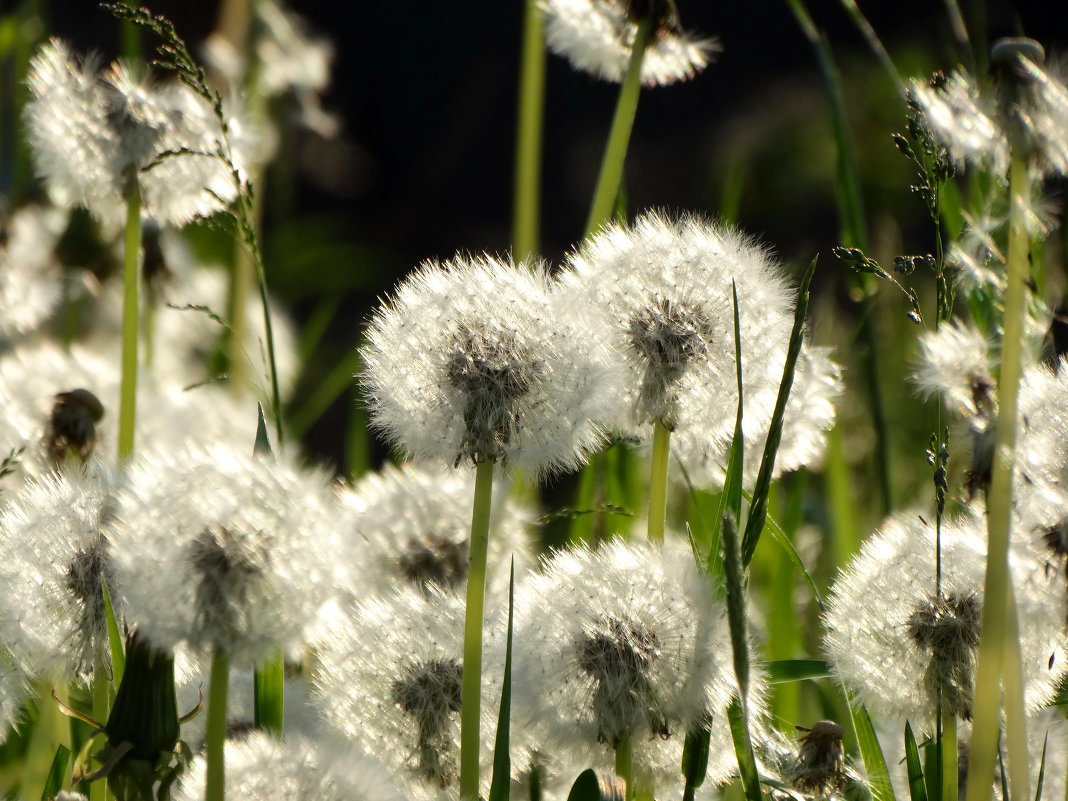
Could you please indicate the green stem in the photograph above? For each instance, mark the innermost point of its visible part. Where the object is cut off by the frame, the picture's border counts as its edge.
(471, 693)
(625, 765)
(997, 624)
(98, 790)
(269, 690)
(948, 757)
(615, 151)
(131, 273)
(1015, 711)
(529, 125)
(658, 481)
(215, 735)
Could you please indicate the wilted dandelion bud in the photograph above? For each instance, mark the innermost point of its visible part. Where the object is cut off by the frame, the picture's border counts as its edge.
(896, 641)
(597, 37)
(820, 767)
(219, 549)
(72, 426)
(621, 644)
(266, 768)
(468, 362)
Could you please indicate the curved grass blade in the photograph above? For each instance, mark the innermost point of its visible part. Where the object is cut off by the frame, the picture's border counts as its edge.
(500, 784)
(872, 754)
(759, 510)
(594, 786)
(782, 671)
(695, 760)
(56, 774)
(917, 786)
(1042, 769)
(118, 653)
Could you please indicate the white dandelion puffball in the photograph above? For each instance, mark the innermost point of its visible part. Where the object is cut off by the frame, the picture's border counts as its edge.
(30, 275)
(55, 543)
(389, 680)
(621, 643)
(469, 363)
(895, 643)
(660, 292)
(955, 362)
(223, 550)
(597, 37)
(92, 134)
(264, 768)
(413, 526)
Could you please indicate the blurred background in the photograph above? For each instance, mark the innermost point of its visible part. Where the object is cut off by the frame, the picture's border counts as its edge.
(421, 166)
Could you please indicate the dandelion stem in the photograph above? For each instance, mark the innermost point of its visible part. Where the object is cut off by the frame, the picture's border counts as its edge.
(615, 152)
(528, 134)
(215, 735)
(625, 765)
(658, 479)
(471, 692)
(948, 754)
(98, 790)
(131, 273)
(998, 611)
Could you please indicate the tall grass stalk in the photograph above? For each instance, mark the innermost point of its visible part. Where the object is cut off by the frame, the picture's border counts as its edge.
(529, 124)
(875, 43)
(131, 276)
(998, 623)
(215, 733)
(658, 482)
(615, 153)
(471, 687)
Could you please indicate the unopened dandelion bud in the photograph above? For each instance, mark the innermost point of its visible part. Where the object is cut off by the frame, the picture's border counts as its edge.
(72, 426)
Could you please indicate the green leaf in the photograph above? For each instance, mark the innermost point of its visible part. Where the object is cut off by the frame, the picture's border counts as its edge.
(500, 784)
(263, 442)
(743, 748)
(758, 512)
(56, 774)
(1041, 769)
(269, 689)
(782, 671)
(872, 753)
(917, 788)
(592, 785)
(695, 759)
(118, 653)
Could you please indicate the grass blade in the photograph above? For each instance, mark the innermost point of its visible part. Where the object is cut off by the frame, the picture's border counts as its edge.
(594, 786)
(695, 759)
(263, 441)
(56, 774)
(758, 511)
(743, 747)
(1041, 769)
(781, 671)
(917, 787)
(872, 754)
(500, 784)
(118, 654)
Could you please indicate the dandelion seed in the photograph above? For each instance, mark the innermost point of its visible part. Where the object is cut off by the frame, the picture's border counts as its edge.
(597, 36)
(265, 768)
(896, 642)
(469, 363)
(247, 548)
(621, 644)
(400, 697)
(54, 550)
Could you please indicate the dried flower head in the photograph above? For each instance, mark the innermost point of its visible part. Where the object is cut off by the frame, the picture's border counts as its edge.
(660, 292)
(266, 768)
(247, 548)
(896, 641)
(820, 768)
(54, 550)
(400, 698)
(469, 363)
(622, 643)
(413, 526)
(597, 37)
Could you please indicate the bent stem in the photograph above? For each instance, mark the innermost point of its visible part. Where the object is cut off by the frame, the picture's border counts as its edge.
(658, 480)
(131, 274)
(615, 151)
(529, 125)
(998, 612)
(471, 692)
(215, 735)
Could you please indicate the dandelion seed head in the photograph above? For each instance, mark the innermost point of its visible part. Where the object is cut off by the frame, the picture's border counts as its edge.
(597, 36)
(248, 547)
(469, 363)
(894, 641)
(622, 642)
(964, 119)
(955, 362)
(267, 768)
(30, 276)
(54, 549)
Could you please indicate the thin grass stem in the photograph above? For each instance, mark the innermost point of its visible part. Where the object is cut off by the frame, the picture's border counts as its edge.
(658, 482)
(997, 624)
(131, 276)
(873, 41)
(215, 733)
(471, 692)
(948, 754)
(615, 152)
(529, 124)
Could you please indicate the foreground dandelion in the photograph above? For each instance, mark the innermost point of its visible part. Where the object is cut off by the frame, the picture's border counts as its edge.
(618, 653)
(30, 275)
(597, 37)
